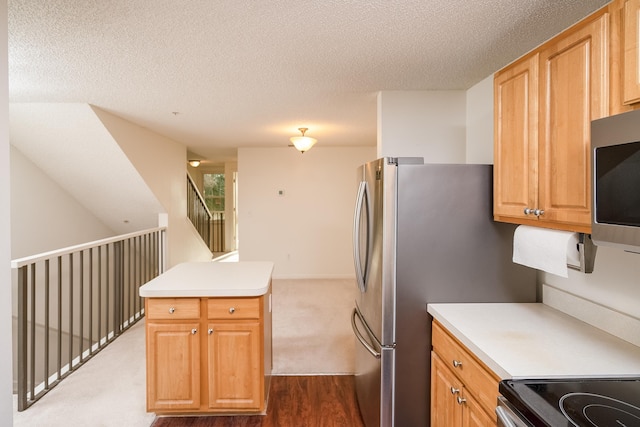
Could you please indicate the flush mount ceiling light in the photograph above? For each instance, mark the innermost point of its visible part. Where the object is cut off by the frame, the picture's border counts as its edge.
(194, 163)
(303, 143)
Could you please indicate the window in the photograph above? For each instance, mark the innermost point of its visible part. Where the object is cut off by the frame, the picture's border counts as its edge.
(214, 191)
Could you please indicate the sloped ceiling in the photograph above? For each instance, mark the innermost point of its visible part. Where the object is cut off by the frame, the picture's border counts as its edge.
(220, 74)
(72, 146)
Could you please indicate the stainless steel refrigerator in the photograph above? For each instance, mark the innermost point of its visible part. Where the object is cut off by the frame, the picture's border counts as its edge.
(423, 233)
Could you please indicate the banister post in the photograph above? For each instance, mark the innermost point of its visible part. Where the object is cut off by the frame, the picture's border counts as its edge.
(22, 338)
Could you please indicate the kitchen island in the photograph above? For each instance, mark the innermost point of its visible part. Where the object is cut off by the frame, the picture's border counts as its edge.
(208, 338)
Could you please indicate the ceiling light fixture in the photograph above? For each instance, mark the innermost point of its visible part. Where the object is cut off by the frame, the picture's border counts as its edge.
(194, 163)
(303, 143)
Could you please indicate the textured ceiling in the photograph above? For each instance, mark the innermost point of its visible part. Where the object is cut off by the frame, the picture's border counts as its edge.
(246, 73)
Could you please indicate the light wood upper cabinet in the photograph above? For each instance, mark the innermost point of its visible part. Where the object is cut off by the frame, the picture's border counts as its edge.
(544, 104)
(516, 138)
(574, 91)
(631, 35)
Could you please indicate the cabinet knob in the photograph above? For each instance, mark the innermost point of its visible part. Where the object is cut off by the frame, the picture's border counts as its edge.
(461, 400)
(210, 331)
(457, 363)
(232, 310)
(193, 331)
(536, 212)
(171, 310)
(455, 390)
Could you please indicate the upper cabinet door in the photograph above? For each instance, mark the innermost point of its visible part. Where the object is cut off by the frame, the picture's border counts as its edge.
(631, 90)
(573, 91)
(516, 138)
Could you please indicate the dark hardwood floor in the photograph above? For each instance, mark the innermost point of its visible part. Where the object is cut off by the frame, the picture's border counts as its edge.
(294, 401)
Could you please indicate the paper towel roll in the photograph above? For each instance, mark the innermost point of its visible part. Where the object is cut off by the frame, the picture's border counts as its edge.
(545, 249)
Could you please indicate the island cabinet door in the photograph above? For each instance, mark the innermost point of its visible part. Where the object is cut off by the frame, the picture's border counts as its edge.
(173, 366)
(235, 366)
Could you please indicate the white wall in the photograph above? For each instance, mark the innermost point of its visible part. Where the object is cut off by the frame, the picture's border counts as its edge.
(479, 146)
(614, 283)
(44, 216)
(306, 232)
(59, 138)
(429, 124)
(162, 163)
(6, 381)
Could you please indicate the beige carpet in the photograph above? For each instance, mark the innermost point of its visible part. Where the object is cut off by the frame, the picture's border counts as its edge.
(107, 391)
(312, 327)
(311, 335)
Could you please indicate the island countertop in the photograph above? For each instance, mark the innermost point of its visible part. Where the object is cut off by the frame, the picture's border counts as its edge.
(211, 279)
(537, 341)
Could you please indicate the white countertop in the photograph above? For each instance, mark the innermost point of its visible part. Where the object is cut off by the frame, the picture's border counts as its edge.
(211, 279)
(537, 341)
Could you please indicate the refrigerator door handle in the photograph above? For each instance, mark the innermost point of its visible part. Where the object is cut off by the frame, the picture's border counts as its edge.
(359, 336)
(361, 199)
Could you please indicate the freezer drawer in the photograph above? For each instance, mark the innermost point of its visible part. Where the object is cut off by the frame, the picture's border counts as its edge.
(374, 376)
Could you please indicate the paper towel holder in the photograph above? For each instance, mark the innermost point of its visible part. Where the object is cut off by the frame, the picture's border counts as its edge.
(587, 253)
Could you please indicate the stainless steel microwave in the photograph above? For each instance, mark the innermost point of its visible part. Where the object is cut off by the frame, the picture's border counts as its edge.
(615, 144)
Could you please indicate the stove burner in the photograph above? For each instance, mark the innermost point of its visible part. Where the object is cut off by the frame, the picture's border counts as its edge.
(587, 409)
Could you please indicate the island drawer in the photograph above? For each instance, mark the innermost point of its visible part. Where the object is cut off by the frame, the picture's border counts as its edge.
(173, 308)
(234, 308)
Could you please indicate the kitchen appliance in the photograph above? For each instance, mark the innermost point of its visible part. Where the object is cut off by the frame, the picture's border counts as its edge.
(615, 142)
(569, 402)
(423, 233)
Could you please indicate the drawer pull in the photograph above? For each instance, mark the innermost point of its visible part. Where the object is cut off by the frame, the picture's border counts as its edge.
(193, 331)
(455, 390)
(232, 310)
(171, 310)
(457, 363)
(210, 331)
(461, 400)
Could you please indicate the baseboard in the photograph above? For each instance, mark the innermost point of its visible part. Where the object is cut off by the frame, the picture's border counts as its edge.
(616, 323)
(313, 277)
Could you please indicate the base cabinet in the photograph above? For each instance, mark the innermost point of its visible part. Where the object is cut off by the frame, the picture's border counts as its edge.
(235, 359)
(445, 409)
(207, 355)
(463, 391)
(178, 346)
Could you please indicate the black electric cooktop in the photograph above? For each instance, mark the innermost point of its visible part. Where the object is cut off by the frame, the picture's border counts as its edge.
(576, 402)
